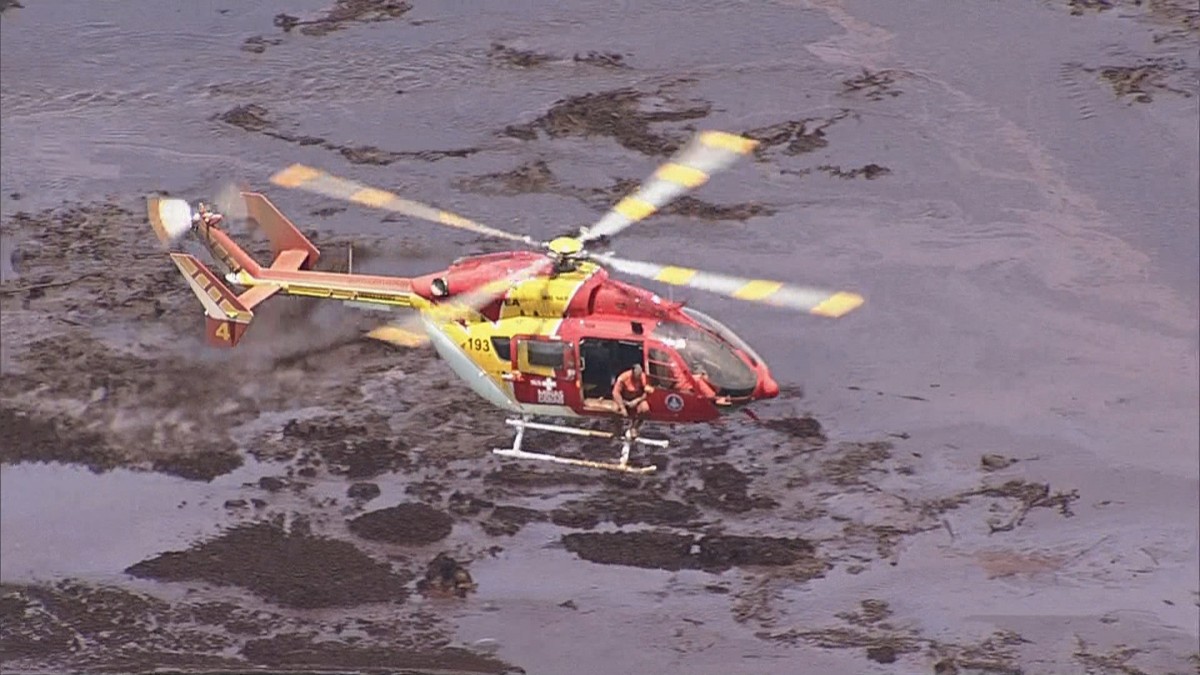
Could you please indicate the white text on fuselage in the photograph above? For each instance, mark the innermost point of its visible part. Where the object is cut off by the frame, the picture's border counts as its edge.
(548, 392)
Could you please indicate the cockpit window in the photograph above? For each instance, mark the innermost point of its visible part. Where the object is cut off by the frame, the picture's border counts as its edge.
(700, 350)
(722, 330)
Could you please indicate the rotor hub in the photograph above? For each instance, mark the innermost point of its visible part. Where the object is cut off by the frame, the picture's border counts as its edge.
(565, 246)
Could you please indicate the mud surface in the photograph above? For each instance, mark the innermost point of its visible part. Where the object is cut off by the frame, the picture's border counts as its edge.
(992, 467)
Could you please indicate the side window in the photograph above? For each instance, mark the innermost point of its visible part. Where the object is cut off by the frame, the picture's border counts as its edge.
(502, 346)
(661, 370)
(546, 354)
(541, 356)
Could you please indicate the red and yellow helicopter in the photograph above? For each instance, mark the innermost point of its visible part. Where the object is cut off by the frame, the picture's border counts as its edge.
(537, 333)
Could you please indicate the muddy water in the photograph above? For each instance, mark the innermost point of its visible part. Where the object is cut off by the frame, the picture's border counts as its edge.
(1027, 242)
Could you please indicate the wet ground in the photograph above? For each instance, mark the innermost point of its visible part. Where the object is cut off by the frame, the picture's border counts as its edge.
(993, 467)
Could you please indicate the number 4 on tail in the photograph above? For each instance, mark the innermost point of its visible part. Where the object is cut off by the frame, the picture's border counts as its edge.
(224, 333)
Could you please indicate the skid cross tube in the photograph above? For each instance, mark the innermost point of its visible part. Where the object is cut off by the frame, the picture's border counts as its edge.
(627, 442)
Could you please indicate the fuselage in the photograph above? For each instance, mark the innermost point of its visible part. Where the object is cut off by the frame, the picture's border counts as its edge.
(554, 345)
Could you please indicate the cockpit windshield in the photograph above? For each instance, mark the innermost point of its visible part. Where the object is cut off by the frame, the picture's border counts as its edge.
(700, 350)
(722, 330)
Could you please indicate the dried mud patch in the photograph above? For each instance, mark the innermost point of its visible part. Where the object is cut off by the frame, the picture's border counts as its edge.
(257, 118)
(291, 568)
(507, 520)
(657, 549)
(79, 401)
(66, 260)
(76, 627)
(726, 488)
(622, 509)
(354, 449)
(31, 438)
(618, 114)
(412, 524)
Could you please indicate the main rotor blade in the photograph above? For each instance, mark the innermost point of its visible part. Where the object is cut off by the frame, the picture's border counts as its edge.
(411, 331)
(812, 300)
(707, 153)
(301, 177)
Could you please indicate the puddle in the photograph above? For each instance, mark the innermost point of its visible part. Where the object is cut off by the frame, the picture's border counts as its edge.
(62, 521)
(646, 620)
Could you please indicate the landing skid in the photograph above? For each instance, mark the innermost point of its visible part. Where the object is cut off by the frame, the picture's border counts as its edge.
(627, 441)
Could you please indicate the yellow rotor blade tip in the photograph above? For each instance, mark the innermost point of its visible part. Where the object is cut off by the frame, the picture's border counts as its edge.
(838, 304)
(727, 141)
(294, 175)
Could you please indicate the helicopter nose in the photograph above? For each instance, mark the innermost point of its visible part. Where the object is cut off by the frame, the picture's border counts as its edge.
(767, 386)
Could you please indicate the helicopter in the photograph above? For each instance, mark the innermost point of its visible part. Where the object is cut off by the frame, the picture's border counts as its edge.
(540, 332)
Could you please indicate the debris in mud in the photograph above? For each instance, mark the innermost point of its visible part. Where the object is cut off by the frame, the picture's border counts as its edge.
(343, 12)
(326, 211)
(29, 438)
(854, 460)
(250, 117)
(258, 44)
(657, 549)
(522, 58)
(71, 626)
(85, 392)
(352, 450)
(255, 118)
(526, 58)
(622, 509)
(797, 137)
(531, 177)
(301, 652)
(727, 489)
(74, 627)
(205, 467)
(1078, 7)
(882, 653)
(292, 568)
(602, 59)
(993, 462)
(685, 206)
(446, 576)
(869, 171)
(805, 428)
(1138, 81)
(873, 85)
(466, 504)
(616, 114)
(1030, 496)
(536, 177)
(363, 492)
(507, 520)
(413, 524)
(871, 611)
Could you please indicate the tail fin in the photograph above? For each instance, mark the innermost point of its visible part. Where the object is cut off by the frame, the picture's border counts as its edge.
(285, 238)
(226, 316)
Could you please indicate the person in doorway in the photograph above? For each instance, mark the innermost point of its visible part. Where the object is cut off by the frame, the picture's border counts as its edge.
(630, 392)
(706, 388)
